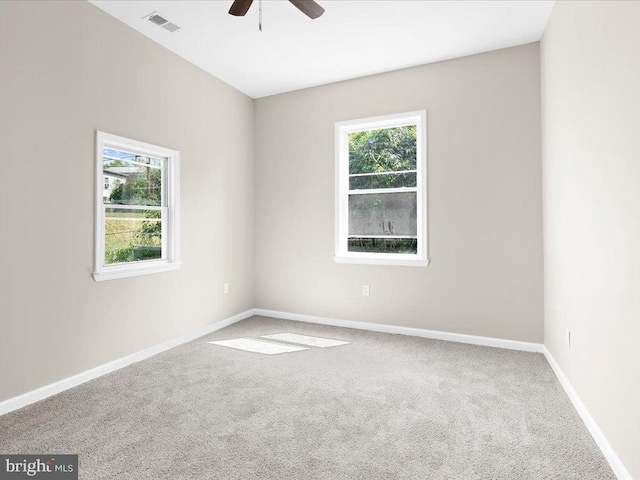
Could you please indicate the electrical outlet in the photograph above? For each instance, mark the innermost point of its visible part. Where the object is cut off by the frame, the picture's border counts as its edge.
(365, 290)
(226, 288)
(568, 339)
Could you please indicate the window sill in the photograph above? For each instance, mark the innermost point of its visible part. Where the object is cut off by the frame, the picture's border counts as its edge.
(399, 262)
(124, 271)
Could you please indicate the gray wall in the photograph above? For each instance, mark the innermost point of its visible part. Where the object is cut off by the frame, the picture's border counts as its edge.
(485, 204)
(591, 164)
(66, 70)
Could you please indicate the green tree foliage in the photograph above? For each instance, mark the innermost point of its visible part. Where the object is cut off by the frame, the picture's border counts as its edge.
(384, 150)
(141, 188)
(383, 245)
(132, 254)
(114, 163)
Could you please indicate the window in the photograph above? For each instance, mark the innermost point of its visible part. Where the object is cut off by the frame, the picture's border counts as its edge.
(381, 198)
(137, 216)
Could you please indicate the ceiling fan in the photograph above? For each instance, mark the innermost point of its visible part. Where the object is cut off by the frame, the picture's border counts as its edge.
(310, 8)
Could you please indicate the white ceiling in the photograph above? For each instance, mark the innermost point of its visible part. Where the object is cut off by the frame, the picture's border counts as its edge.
(352, 39)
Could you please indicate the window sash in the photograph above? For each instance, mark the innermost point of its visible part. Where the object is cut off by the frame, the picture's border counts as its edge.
(381, 173)
(140, 164)
(161, 208)
(343, 192)
(382, 236)
(133, 207)
(378, 174)
(383, 190)
(163, 172)
(169, 208)
(164, 211)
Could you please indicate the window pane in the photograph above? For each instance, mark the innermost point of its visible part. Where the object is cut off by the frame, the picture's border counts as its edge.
(383, 214)
(383, 150)
(131, 179)
(385, 180)
(132, 235)
(383, 245)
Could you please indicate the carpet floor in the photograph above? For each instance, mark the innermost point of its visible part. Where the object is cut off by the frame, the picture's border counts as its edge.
(383, 407)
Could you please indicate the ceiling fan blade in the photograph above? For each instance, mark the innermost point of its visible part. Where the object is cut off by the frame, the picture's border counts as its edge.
(240, 7)
(310, 8)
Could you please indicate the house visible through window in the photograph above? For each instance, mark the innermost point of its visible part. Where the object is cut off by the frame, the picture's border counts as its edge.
(381, 190)
(137, 213)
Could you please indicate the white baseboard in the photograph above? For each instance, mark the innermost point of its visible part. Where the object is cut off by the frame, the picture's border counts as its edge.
(607, 450)
(48, 390)
(67, 383)
(28, 398)
(414, 332)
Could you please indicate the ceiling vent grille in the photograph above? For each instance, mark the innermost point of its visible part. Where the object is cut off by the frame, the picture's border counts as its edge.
(162, 22)
(157, 19)
(172, 27)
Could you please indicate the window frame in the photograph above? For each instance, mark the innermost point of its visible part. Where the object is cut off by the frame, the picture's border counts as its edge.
(170, 225)
(342, 131)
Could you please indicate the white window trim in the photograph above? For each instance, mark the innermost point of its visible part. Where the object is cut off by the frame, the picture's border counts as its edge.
(342, 130)
(171, 232)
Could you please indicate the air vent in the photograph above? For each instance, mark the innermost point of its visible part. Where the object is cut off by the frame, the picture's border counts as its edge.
(172, 27)
(158, 20)
(162, 22)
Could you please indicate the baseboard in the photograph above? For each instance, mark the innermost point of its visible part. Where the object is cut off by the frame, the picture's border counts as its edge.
(607, 450)
(47, 391)
(617, 466)
(414, 332)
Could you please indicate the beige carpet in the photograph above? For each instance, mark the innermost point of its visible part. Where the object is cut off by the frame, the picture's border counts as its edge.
(383, 407)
